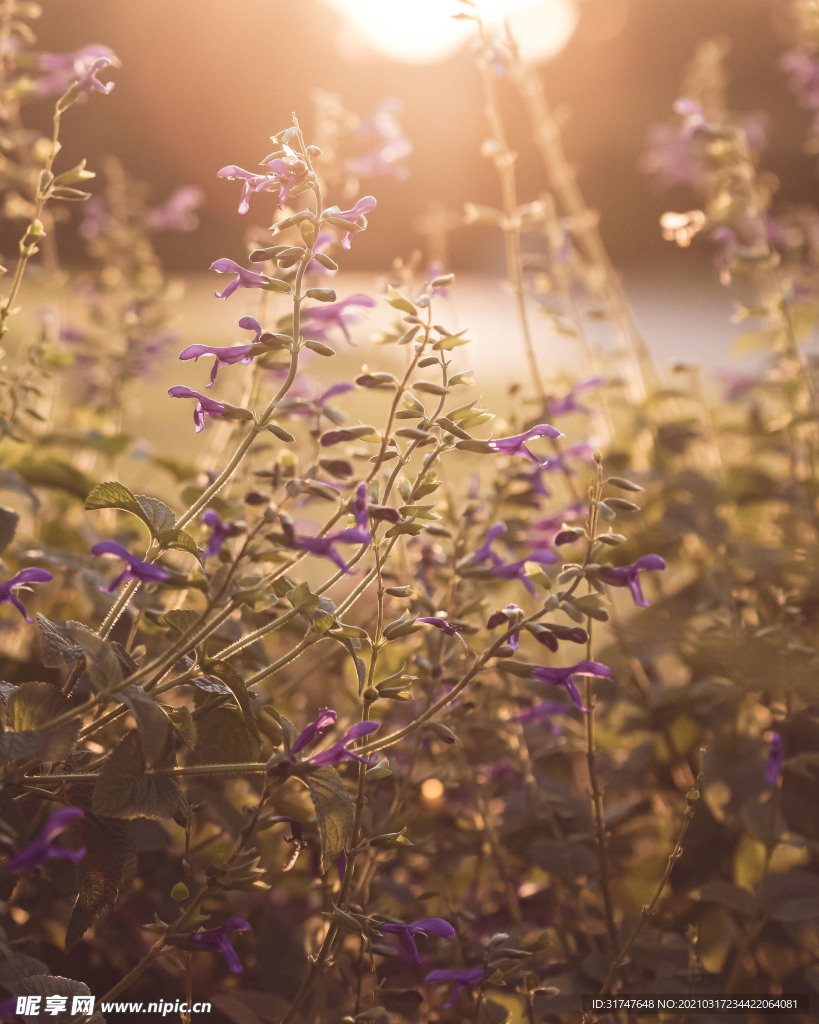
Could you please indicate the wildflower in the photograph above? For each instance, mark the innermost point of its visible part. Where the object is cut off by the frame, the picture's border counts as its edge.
(459, 979)
(285, 173)
(33, 575)
(382, 129)
(231, 354)
(511, 570)
(244, 278)
(580, 450)
(204, 406)
(501, 617)
(568, 403)
(360, 510)
(43, 847)
(63, 69)
(627, 576)
(216, 938)
(693, 116)
(563, 677)
(803, 72)
(542, 714)
(516, 445)
(773, 767)
(177, 214)
(325, 546)
(427, 926)
(356, 215)
(220, 531)
(136, 568)
(338, 751)
(317, 320)
(671, 157)
(450, 628)
(318, 406)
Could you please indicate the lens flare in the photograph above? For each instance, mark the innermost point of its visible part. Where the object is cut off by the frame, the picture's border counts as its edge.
(424, 31)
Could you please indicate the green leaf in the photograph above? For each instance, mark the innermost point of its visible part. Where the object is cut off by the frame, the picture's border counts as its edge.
(397, 301)
(19, 746)
(224, 738)
(54, 474)
(126, 790)
(233, 680)
(303, 600)
(113, 494)
(108, 662)
(105, 872)
(156, 514)
(45, 985)
(181, 722)
(181, 540)
(8, 526)
(181, 619)
(152, 723)
(57, 649)
(30, 709)
(335, 810)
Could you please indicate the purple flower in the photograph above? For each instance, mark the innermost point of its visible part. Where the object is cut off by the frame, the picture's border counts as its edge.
(568, 403)
(63, 69)
(427, 926)
(216, 938)
(541, 714)
(627, 576)
(382, 130)
(563, 677)
(517, 445)
(325, 546)
(43, 847)
(243, 279)
(803, 72)
(250, 183)
(204, 406)
(355, 215)
(33, 575)
(220, 531)
(177, 214)
(501, 618)
(671, 157)
(511, 570)
(580, 450)
(776, 755)
(338, 752)
(136, 568)
(318, 406)
(285, 173)
(318, 319)
(693, 116)
(359, 508)
(459, 979)
(230, 355)
(89, 81)
(450, 628)
(326, 719)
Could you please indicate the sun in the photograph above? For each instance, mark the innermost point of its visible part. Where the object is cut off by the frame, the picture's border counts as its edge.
(424, 31)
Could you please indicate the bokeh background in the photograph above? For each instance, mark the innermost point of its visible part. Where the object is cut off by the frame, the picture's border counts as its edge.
(204, 84)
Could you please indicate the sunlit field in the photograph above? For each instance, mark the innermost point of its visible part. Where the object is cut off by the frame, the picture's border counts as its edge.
(408, 598)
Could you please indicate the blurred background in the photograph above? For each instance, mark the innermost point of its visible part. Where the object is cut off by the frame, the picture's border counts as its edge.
(203, 85)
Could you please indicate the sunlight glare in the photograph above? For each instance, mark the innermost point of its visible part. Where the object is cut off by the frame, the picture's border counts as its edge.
(423, 31)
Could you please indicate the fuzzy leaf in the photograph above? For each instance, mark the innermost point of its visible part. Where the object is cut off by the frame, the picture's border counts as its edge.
(335, 810)
(44, 985)
(224, 738)
(234, 681)
(105, 872)
(182, 723)
(181, 540)
(57, 649)
(156, 514)
(126, 790)
(30, 709)
(151, 722)
(113, 494)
